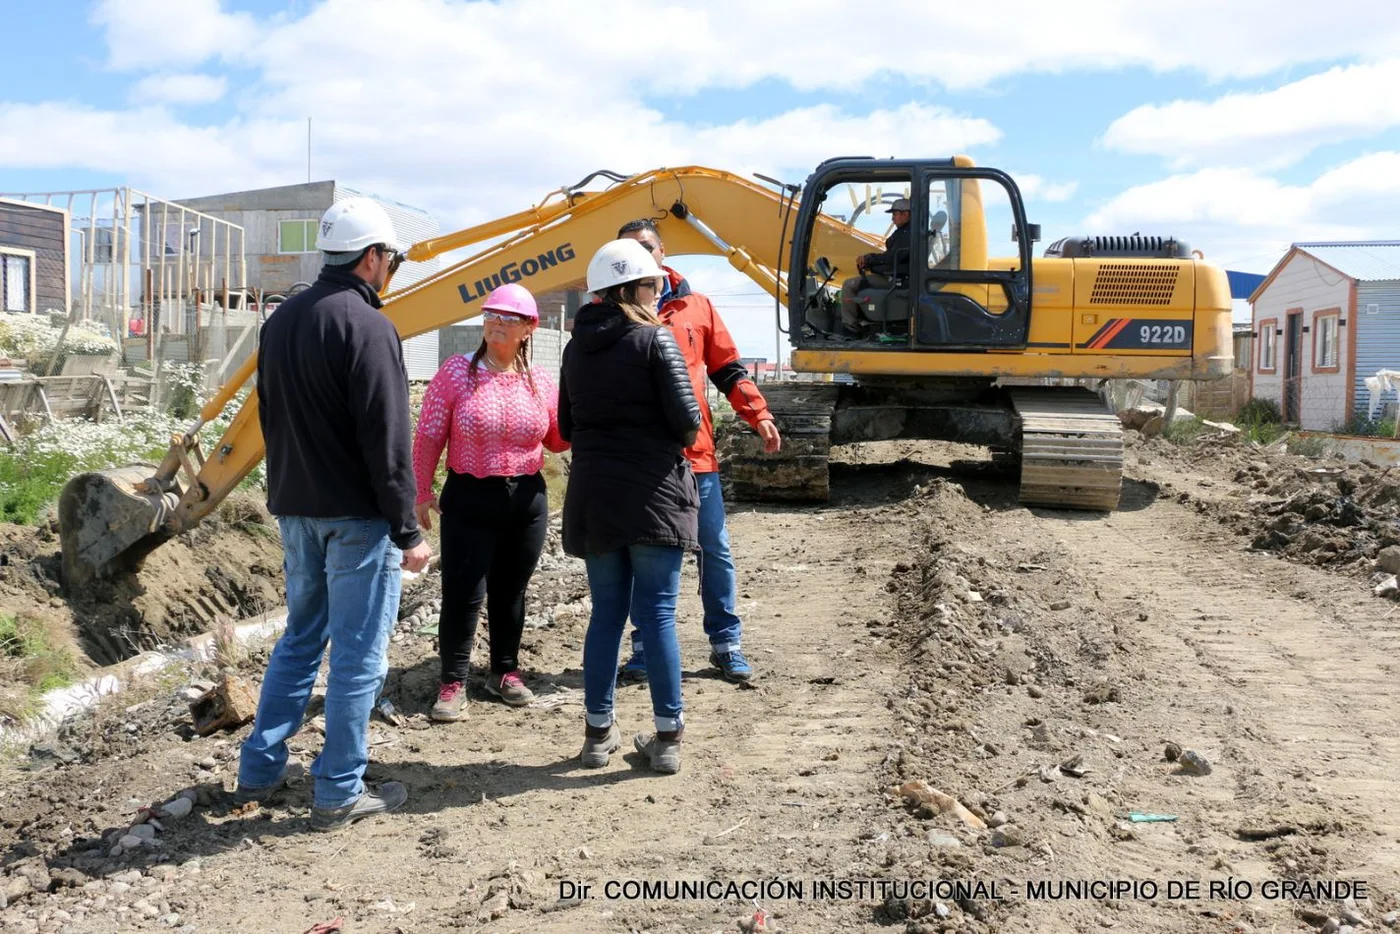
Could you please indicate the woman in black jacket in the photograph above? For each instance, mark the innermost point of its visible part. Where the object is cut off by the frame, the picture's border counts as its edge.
(627, 407)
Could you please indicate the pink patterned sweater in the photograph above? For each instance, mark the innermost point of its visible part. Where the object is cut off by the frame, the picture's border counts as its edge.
(492, 424)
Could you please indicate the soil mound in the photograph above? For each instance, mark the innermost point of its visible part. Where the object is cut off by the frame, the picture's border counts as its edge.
(230, 567)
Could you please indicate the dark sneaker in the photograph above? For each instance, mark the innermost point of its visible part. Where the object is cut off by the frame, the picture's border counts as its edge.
(292, 773)
(663, 750)
(599, 743)
(509, 688)
(452, 698)
(733, 666)
(390, 796)
(634, 670)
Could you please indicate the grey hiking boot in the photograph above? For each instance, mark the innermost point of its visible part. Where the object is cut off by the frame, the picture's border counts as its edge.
(390, 796)
(598, 743)
(662, 749)
(292, 773)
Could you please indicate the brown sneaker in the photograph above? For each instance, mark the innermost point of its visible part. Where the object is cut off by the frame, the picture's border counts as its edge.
(599, 743)
(452, 698)
(510, 689)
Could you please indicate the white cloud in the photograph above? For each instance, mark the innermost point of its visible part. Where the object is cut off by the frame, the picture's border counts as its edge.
(1239, 216)
(1272, 127)
(150, 146)
(153, 35)
(812, 44)
(178, 89)
(473, 110)
(1035, 188)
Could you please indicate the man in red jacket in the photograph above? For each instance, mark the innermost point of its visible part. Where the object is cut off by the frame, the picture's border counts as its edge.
(709, 352)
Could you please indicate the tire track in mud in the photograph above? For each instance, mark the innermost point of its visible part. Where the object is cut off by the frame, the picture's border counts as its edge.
(1302, 663)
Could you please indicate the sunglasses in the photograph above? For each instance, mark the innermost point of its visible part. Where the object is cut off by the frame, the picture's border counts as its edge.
(394, 257)
(511, 320)
(651, 247)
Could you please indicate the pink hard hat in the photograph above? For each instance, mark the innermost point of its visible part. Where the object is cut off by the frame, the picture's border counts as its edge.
(513, 299)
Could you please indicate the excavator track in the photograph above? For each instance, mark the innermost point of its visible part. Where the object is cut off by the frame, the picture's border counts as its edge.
(1071, 448)
(797, 473)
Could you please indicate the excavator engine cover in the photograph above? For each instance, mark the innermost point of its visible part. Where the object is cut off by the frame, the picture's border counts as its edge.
(108, 523)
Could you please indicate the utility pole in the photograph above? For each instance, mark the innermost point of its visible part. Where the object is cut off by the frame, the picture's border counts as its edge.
(308, 150)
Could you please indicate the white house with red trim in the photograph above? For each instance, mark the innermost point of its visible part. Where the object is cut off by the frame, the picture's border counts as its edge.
(1323, 320)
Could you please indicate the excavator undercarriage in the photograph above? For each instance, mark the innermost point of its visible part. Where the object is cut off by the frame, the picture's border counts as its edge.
(1068, 445)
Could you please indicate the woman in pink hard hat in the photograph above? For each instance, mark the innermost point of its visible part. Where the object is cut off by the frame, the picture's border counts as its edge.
(496, 415)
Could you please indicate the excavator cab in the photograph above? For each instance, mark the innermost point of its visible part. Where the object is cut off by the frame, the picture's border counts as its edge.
(956, 277)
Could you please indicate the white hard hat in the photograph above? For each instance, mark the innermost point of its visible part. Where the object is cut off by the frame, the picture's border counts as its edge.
(356, 224)
(619, 261)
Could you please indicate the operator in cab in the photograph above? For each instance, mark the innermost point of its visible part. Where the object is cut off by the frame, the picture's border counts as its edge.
(877, 270)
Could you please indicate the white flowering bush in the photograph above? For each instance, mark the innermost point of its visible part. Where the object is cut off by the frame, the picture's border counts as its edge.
(33, 338)
(33, 472)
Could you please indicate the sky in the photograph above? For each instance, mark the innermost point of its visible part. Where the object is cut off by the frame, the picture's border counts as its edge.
(1240, 127)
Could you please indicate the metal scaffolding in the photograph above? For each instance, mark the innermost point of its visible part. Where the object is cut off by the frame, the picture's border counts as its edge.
(141, 254)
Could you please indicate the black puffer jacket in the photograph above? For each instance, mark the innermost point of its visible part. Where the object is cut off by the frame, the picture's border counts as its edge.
(627, 407)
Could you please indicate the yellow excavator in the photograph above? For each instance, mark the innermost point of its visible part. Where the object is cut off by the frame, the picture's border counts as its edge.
(962, 336)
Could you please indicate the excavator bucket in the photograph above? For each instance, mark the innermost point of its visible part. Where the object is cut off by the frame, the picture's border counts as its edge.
(108, 522)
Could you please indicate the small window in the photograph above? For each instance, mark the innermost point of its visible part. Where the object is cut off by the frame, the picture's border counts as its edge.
(296, 237)
(1325, 329)
(15, 282)
(1268, 335)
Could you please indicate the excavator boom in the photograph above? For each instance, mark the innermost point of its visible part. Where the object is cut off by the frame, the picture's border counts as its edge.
(109, 520)
(965, 331)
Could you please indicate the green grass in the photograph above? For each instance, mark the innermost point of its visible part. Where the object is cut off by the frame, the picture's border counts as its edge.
(35, 469)
(1260, 421)
(1307, 446)
(1184, 430)
(30, 660)
(25, 489)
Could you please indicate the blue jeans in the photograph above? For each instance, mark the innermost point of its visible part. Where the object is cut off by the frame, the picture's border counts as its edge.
(718, 590)
(343, 580)
(643, 581)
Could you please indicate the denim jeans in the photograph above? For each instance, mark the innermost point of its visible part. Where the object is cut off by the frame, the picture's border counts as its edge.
(343, 580)
(643, 581)
(718, 590)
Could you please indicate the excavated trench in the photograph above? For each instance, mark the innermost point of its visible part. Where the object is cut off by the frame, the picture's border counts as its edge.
(230, 568)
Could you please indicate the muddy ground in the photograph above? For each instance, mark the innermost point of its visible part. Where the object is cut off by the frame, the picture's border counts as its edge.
(1052, 672)
(229, 567)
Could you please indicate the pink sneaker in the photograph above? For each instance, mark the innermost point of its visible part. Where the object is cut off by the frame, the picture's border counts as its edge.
(452, 698)
(510, 689)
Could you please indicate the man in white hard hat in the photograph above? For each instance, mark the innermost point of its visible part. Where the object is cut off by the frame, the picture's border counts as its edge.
(333, 405)
(877, 269)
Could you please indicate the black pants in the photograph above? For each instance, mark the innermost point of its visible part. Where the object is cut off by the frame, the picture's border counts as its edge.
(493, 531)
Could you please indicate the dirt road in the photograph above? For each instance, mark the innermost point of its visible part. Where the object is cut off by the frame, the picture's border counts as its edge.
(1033, 665)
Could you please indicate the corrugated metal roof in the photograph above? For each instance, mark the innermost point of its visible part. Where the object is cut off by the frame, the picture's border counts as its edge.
(1243, 284)
(1366, 261)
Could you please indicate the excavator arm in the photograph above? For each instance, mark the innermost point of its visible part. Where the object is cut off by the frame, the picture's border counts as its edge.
(110, 520)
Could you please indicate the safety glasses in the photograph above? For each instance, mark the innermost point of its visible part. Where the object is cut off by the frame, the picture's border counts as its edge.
(394, 257)
(506, 319)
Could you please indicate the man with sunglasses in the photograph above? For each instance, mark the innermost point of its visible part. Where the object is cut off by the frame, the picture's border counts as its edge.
(709, 352)
(333, 406)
